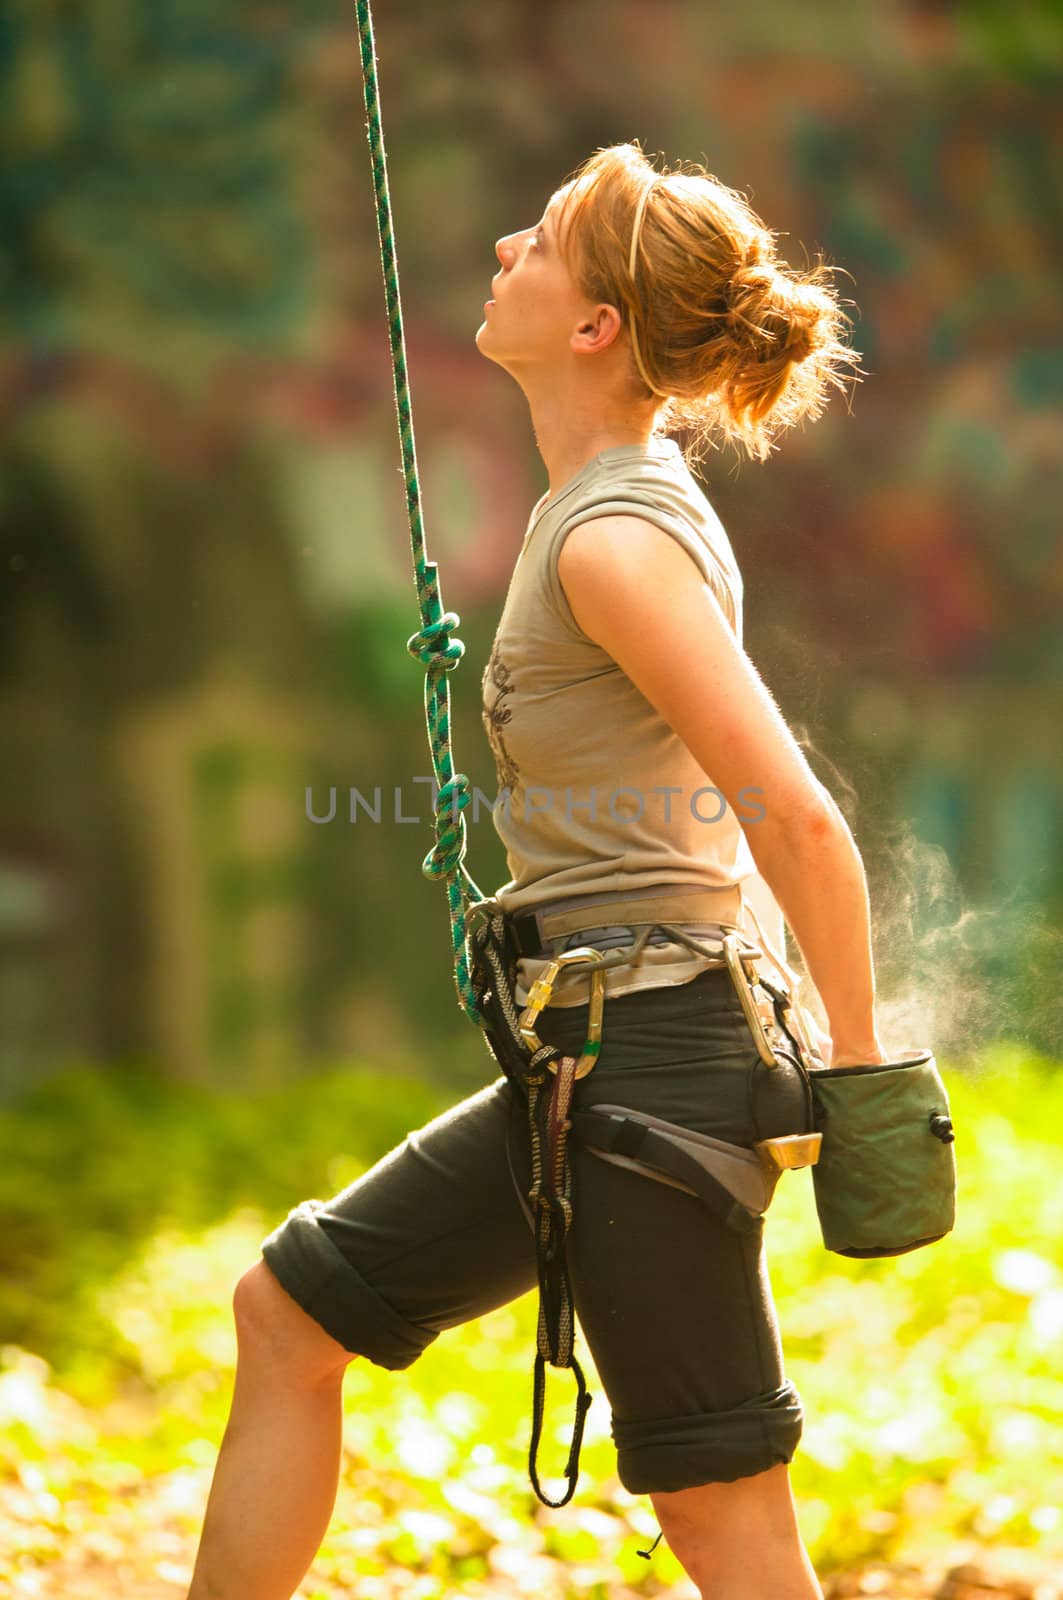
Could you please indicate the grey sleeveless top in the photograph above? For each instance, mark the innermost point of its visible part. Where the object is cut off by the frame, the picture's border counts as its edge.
(596, 793)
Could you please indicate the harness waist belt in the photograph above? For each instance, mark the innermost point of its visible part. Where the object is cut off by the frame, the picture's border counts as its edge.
(534, 929)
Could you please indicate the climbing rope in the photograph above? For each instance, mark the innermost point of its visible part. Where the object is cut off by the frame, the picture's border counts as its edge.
(489, 1003)
(434, 645)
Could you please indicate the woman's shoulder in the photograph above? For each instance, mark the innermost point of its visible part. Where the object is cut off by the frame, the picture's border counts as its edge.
(661, 489)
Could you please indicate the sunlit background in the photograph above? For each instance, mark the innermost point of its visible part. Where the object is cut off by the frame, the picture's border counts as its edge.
(206, 588)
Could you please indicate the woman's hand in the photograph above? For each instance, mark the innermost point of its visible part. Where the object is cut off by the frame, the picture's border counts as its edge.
(870, 1056)
(822, 1041)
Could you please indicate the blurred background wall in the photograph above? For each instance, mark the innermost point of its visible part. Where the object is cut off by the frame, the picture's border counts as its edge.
(205, 583)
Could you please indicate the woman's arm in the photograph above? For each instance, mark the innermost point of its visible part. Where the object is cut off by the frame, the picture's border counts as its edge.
(639, 595)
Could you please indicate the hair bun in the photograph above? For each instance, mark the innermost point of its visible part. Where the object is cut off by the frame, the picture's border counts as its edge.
(768, 313)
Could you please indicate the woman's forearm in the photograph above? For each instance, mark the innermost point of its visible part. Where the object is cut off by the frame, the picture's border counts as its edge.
(817, 876)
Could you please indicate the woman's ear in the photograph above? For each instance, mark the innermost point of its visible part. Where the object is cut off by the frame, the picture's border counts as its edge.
(599, 330)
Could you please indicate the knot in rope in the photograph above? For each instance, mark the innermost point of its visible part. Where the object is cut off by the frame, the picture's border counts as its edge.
(434, 647)
(449, 849)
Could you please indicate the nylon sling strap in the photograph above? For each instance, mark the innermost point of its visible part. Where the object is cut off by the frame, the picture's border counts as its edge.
(551, 1194)
(494, 968)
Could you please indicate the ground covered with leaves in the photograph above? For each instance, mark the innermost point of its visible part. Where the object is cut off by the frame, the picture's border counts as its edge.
(931, 1464)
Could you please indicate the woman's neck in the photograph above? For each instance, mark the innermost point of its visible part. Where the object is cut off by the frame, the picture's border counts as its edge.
(566, 450)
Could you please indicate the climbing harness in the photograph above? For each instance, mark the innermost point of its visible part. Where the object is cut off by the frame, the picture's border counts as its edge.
(486, 978)
(736, 1184)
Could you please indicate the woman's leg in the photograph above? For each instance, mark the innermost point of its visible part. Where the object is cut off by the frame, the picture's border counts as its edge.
(677, 1308)
(430, 1237)
(278, 1468)
(740, 1540)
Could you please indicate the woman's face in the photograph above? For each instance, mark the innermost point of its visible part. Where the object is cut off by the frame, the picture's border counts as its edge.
(536, 305)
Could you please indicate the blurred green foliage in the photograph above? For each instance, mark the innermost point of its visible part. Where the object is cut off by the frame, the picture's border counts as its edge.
(200, 479)
(95, 1162)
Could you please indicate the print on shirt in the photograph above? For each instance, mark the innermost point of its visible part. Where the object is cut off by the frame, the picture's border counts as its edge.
(495, 716)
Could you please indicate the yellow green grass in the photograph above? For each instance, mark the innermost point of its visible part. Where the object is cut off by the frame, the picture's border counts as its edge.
(931, 1382)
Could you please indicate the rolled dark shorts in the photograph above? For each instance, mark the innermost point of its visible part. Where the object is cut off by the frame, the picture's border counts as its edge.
(675, 1307)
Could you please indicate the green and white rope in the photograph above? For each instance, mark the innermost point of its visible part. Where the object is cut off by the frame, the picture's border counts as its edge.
(434, 646)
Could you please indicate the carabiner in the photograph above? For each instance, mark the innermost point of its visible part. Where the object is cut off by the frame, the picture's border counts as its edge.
(541, 993)
(737, 954)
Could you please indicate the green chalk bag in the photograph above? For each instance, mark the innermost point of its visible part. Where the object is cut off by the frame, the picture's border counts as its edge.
(885, 1180)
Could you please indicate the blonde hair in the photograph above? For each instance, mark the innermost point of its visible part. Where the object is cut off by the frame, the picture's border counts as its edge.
(732, 339)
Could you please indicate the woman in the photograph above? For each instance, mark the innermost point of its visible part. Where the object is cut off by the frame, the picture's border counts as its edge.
(640, 302)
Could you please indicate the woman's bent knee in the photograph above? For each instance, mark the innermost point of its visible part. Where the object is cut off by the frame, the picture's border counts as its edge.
(701, 1523)
(269, 1323)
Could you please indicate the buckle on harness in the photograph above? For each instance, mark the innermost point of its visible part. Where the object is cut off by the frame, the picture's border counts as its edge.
(541, 993)
(789, 1150)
